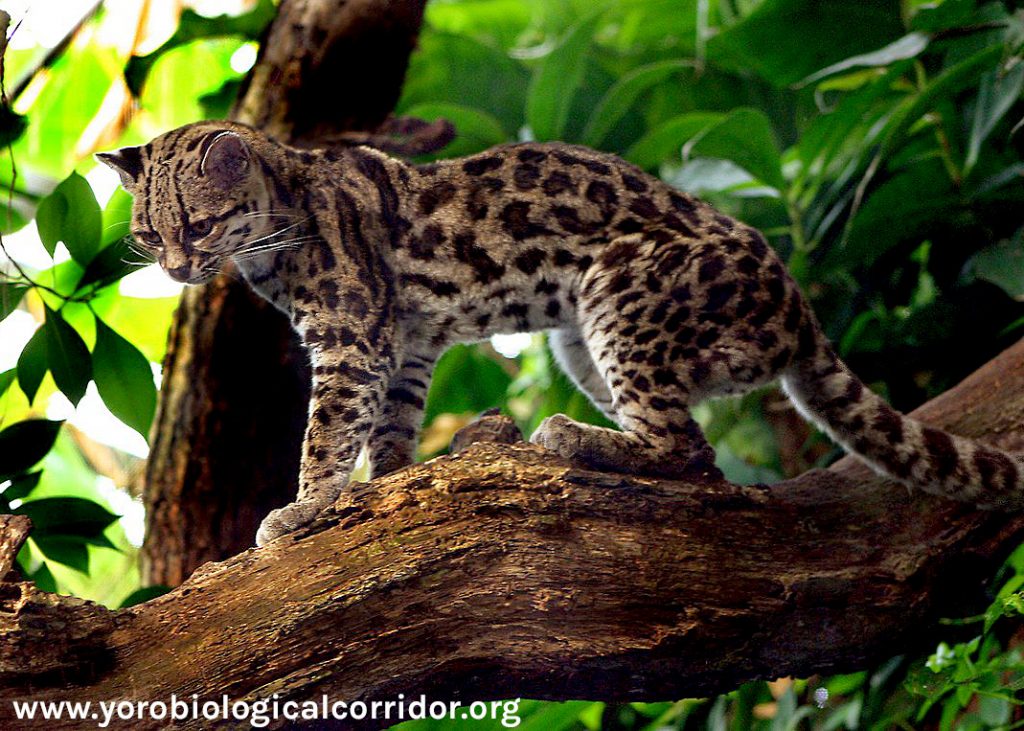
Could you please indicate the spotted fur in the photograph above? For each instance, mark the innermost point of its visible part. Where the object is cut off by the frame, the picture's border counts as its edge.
(653, 300)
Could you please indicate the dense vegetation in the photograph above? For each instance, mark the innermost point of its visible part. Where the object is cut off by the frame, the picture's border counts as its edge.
(877, 143)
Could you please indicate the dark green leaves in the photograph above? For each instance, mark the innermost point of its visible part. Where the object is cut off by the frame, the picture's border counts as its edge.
(64, 527)
(67, 356)
(124, 379)
(784, 41)
(71, 214)
(10, 296)
(25, 443)
(67, 516)
(556, 79)
(32, 364)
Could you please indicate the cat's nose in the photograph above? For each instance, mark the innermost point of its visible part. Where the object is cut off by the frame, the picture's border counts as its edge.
(180, 274)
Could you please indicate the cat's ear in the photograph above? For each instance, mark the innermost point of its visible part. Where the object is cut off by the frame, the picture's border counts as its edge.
(225, 159)
(127, 162)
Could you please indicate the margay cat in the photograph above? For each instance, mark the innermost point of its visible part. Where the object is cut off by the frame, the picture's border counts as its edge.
(653, 300)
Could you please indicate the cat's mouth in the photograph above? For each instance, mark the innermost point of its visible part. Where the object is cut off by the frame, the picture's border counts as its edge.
(192, 278)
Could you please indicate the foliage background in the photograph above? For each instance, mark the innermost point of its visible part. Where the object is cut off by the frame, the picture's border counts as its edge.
(877, 143)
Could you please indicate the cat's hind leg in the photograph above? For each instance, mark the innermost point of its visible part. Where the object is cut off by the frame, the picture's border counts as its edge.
(570, 351)
(659, 436)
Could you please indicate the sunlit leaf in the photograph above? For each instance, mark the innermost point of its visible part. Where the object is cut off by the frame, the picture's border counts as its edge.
(124, 379)
(460, 366)
(25, 443)
(556, 80)
(6, 379)
(72, 215)
(193, 26)
(67, 356)
(32, 364)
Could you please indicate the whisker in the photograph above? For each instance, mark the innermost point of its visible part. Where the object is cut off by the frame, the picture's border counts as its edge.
(275, 233)
(274, 246)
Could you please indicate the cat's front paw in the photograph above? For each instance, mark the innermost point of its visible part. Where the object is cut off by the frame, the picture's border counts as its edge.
(285, 520)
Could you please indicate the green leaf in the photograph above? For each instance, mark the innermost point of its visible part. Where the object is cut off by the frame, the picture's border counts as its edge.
(22, 486)
(66, 516)
(63, 550)
(43, 579)
(666, 141)
(72, 215)
(920, 199)
(997, 94)
(6, 379)
(623, 94)
(556, 80)
(124, 379)
(461, 365)
(12, 125)
(745, 136)
(476, 130)
(32, 364)
(25, 443)
(10, 296)
(1002, 264)
(909, 46)
(67, 356)
(193, 26)
(112, 263)
(784, 41)
(943, 86)
(117, 216)
(144, 595)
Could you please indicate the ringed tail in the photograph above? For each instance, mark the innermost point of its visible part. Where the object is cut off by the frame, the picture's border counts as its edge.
(831, 396)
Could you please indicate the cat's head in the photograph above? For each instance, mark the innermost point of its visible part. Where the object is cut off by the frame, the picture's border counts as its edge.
(201, 196)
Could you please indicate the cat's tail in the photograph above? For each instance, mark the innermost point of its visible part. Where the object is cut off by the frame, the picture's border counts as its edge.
(827, 393)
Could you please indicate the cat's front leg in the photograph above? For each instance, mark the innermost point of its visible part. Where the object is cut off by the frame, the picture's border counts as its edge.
(349, 384)
(392, 444)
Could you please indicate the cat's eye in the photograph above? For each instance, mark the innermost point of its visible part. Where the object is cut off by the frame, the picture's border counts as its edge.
(200, 228)
(151, 238)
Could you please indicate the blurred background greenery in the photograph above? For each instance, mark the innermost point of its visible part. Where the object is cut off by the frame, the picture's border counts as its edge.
(876, 143)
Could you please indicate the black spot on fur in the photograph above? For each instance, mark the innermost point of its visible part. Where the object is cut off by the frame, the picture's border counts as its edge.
(530, 260)
(484, 267)
(558, 182)
(516, 219)
(480, 165)
(942, 452)
(435, 196)
(526, 176)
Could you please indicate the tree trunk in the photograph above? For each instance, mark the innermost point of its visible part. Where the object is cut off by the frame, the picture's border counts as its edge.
(502, 572)
(226, 439)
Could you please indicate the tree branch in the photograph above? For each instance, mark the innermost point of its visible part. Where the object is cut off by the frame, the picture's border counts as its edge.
(503, 571)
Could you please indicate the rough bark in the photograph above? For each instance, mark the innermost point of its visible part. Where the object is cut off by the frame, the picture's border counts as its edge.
(225, 443)
(503, 572)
